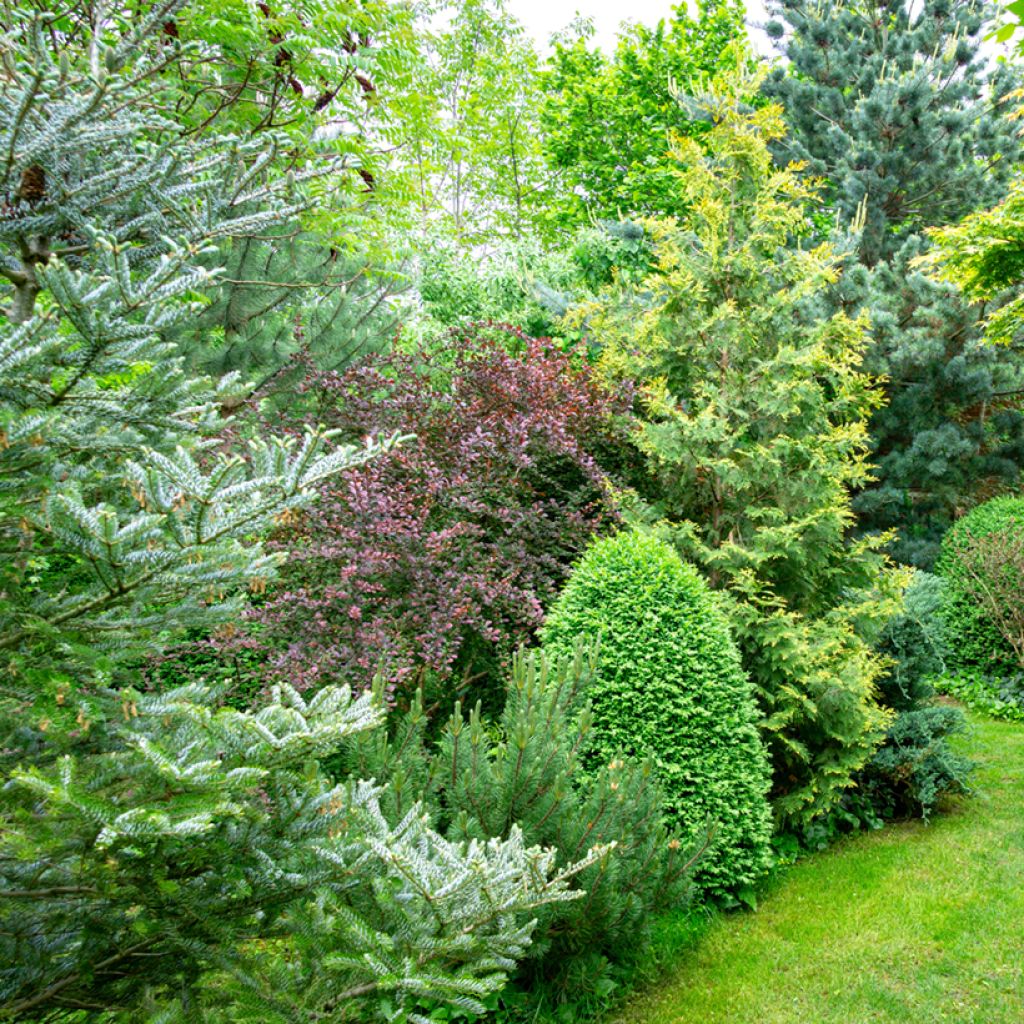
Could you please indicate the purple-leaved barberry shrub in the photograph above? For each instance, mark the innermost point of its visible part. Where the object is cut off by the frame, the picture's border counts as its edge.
(436, 560)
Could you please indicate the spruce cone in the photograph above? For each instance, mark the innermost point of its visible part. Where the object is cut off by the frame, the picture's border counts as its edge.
(33, 184)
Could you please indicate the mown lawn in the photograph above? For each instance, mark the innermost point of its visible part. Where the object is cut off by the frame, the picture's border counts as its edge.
(911, 925)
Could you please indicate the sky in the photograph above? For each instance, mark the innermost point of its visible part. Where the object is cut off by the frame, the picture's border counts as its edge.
(542, 17)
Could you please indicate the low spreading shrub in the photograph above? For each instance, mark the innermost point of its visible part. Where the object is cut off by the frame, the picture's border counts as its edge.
(669, 686)
(982, 562)
(522, 772)
(915, 766)
(436, 560)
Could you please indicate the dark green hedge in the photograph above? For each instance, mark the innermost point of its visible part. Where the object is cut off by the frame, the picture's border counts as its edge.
(669, 685)
(974, 640)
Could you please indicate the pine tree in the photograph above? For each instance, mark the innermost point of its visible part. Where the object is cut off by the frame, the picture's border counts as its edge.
(534, 769)
(157, 850)
(754, 432)
(891, 102)
(286, 300)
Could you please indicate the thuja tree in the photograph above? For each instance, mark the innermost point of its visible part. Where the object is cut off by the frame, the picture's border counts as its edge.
(147, 842)
(669, 686)
(891, 102)
(754, 428)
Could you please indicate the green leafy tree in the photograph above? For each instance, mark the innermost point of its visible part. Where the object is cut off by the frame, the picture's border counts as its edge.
(327, 76)
(754, 431)
(473, 141)
(983, 256)
(157, 851)
(669, 686)
(891, 103)
(324, 82)
(609, 122)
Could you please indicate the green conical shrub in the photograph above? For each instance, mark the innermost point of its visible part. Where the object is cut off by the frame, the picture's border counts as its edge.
(669, 686)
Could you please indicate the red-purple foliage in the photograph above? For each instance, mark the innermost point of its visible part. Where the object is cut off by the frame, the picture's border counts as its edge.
(441, 555)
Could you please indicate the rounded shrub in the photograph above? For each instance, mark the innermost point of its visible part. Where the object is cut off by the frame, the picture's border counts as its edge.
(980, 562)
(669, 686)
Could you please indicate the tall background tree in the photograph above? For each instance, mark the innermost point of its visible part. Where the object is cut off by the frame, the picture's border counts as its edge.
(892, 102)
(472, 141)
(609, 120)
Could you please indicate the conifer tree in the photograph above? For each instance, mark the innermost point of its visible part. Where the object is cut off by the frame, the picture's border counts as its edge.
(754, 431)
(528, 770)
(892, 103)
(288, 300)
(156, 850)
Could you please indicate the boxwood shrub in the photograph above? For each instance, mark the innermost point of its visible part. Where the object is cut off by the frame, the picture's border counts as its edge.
(669, 686)
(975, 641)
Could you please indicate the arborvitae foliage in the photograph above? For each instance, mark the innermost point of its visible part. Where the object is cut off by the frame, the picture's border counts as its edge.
(525, 771)
(669, 686)
(154, 848)
(890, 101)
(981, 562)
(755, 410)
(915, 766)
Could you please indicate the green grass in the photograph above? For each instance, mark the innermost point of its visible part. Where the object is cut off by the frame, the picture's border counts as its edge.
(913, 924)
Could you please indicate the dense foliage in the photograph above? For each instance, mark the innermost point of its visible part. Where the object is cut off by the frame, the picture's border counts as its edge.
(347, 349)
(669, 686)
(754, 432)
(440, 556)
(982, 563)
(915, 766)
(896, 106)
(153, 847)
(152, 872)
(524, 771)
(610, 121)
(984, 256)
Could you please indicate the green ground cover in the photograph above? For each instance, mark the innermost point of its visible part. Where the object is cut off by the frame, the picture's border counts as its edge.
(915, 924)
